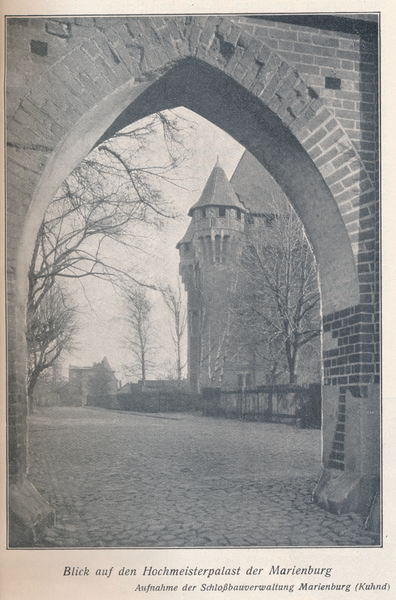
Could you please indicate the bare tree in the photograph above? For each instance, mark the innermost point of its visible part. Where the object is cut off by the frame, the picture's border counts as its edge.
(139, 336)
(115, 188)
(279, 308)
(50, 331)
(174, 301)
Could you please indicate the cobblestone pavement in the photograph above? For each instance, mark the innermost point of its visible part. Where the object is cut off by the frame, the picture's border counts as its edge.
(119, 479)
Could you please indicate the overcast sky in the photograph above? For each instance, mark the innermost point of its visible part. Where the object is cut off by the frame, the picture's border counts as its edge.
(101, 315)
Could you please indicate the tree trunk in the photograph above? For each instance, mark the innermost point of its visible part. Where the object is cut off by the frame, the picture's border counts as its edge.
(30, 404)
(179, 370)
(30, 401)
(143, 371)
(293, 367)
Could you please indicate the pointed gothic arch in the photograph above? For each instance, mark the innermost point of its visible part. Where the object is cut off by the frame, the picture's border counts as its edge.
(128, 68)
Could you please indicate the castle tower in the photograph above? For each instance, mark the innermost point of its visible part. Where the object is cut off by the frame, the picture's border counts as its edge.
(210, 248)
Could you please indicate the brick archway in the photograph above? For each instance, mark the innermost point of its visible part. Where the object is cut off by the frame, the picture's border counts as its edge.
(106, 73)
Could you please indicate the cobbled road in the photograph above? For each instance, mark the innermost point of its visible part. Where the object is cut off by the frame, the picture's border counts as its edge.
(119, 479)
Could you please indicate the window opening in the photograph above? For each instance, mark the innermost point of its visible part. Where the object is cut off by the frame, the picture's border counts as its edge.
(249, 219)
(209, 247)
(226, 245)
(217, 248)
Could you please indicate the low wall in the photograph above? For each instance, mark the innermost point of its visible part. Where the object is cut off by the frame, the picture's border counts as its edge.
(151, 402)
(283, 403)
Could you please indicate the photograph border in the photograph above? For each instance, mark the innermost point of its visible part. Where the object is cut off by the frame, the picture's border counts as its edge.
(380, 86)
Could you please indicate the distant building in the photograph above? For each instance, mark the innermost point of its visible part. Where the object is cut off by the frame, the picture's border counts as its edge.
(99, 379)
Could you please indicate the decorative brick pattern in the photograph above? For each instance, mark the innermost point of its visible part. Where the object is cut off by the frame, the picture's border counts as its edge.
(336, 459)
(355, 360)
(320, 54)
(337, 456)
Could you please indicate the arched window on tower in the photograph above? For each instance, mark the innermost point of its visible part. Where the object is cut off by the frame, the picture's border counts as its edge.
(222, 211)
(209, 246)
(203, 247)
(226, 247)
(217, 248)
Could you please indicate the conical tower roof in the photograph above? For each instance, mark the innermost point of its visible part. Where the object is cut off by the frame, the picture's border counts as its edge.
(257, 190)
(217, 192)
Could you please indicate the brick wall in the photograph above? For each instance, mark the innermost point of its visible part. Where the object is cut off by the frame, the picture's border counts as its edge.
(86, 58)
(318, 54)
(59, 69)
(353, 59)
(351, 361)
(355, 359)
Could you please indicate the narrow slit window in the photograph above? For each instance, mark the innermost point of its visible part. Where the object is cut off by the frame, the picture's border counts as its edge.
(226, 240)
(209, 246)
(217, 248)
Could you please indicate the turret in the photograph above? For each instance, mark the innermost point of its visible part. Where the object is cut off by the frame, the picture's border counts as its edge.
(212, 252)
(216, 227)
(208, 251)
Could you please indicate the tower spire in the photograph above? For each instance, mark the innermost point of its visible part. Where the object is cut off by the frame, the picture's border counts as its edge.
(217, 191)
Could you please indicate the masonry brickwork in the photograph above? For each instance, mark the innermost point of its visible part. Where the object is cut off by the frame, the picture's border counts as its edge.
(271, 84)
